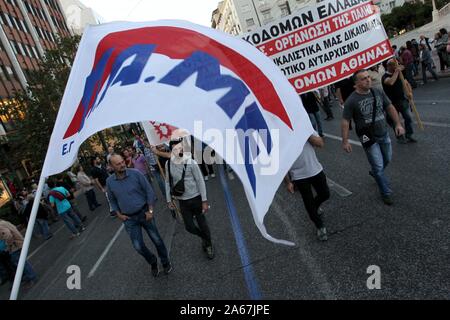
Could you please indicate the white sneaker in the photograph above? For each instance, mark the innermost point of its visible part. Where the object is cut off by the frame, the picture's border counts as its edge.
(230, 176)
(322, 234)
(213, 175)
(206, 178)
(73, 236)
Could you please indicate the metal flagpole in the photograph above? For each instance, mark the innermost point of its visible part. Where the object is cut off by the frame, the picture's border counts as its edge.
(27, 240)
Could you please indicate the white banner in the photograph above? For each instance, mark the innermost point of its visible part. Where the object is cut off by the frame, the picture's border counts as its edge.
(192, 77)
(322, 44)
(158, 133)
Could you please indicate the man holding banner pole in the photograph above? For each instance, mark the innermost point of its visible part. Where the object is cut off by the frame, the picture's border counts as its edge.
(394, 89)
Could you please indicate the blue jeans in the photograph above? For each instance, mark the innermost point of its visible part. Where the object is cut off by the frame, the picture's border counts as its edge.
(404, 109)
(133, 227)
(71, 221)
(28, 272)
(161, 183)
(43, 227)
(379, 156)
(316, 122)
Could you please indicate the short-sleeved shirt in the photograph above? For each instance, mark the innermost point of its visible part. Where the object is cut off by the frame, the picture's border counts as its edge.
(3, 246)
(101, 174)
(140, 164)
(309, 102)
(346, 86)
(359, 108)
(62, 206)
(407, 57)
(306, 165)
(394, 92)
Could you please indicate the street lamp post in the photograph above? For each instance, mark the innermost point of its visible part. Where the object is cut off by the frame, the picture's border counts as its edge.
(435, 11)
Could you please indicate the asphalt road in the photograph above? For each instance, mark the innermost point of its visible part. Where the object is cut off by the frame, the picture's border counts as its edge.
(409, 241)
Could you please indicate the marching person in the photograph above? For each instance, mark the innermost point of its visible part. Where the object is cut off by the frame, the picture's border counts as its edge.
(12, 241)
(366, 107)
(64, 181)
(87, 187)
(182, 170)
(393, 87)
(132, 198)
(307, 173)
(59, 198)
(311, 106)
(41, 218)
(427, 63)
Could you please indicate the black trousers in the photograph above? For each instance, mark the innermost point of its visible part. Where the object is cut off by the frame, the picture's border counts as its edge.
(327, 107)
(192, 209)
(312, 204)
(7, 270)
(203, 166)
(91, 199)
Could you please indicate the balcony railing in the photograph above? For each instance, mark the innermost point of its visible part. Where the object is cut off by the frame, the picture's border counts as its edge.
(445, 10)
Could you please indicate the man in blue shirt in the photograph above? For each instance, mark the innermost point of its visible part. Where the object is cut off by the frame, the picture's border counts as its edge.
(132, 198)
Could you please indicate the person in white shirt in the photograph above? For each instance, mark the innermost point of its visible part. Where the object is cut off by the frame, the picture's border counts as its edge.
(307, 173)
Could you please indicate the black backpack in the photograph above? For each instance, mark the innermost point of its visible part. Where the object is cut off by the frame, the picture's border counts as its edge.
(178, 189)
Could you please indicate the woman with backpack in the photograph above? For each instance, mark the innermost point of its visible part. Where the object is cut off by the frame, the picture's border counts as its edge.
(185, 182)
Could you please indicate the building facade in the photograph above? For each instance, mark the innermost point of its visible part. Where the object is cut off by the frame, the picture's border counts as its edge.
(27, 29)
(242, 16)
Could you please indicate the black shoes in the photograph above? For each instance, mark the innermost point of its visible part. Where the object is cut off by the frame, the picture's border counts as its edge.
(155, 270)
(402, 140)
(210, 252)
(410, 139)
(329, 118)
(168, 268)
(387, 200)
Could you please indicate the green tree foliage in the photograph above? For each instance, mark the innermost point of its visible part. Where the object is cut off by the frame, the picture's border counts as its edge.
(34, 111)
(410, 16)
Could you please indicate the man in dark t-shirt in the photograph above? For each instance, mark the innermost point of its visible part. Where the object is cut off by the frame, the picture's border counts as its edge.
(393, 87)
(360, 107)
(99, 174)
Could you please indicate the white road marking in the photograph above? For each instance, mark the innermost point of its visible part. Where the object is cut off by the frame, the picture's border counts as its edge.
(43, 244)
(105, 252)
(356, 143)
(343, 192)
(313, 267)
(436, 124)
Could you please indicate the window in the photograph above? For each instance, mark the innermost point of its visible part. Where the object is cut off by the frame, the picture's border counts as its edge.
(35, 52)
(8, 20)
(284, 10)
(13, 46)
(3, 73)
(250, 22)
(29, 52)
(266, 14)
(25, 29)
(21, 49)
(246, 8)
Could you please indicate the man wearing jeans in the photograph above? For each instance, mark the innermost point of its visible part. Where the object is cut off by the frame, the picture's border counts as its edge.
(393, 87)
(12, 242)
(59, 198)
(132, 198)
(359, 107)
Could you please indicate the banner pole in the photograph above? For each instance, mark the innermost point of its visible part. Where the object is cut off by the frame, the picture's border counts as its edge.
(410, 97)
(27, 240)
